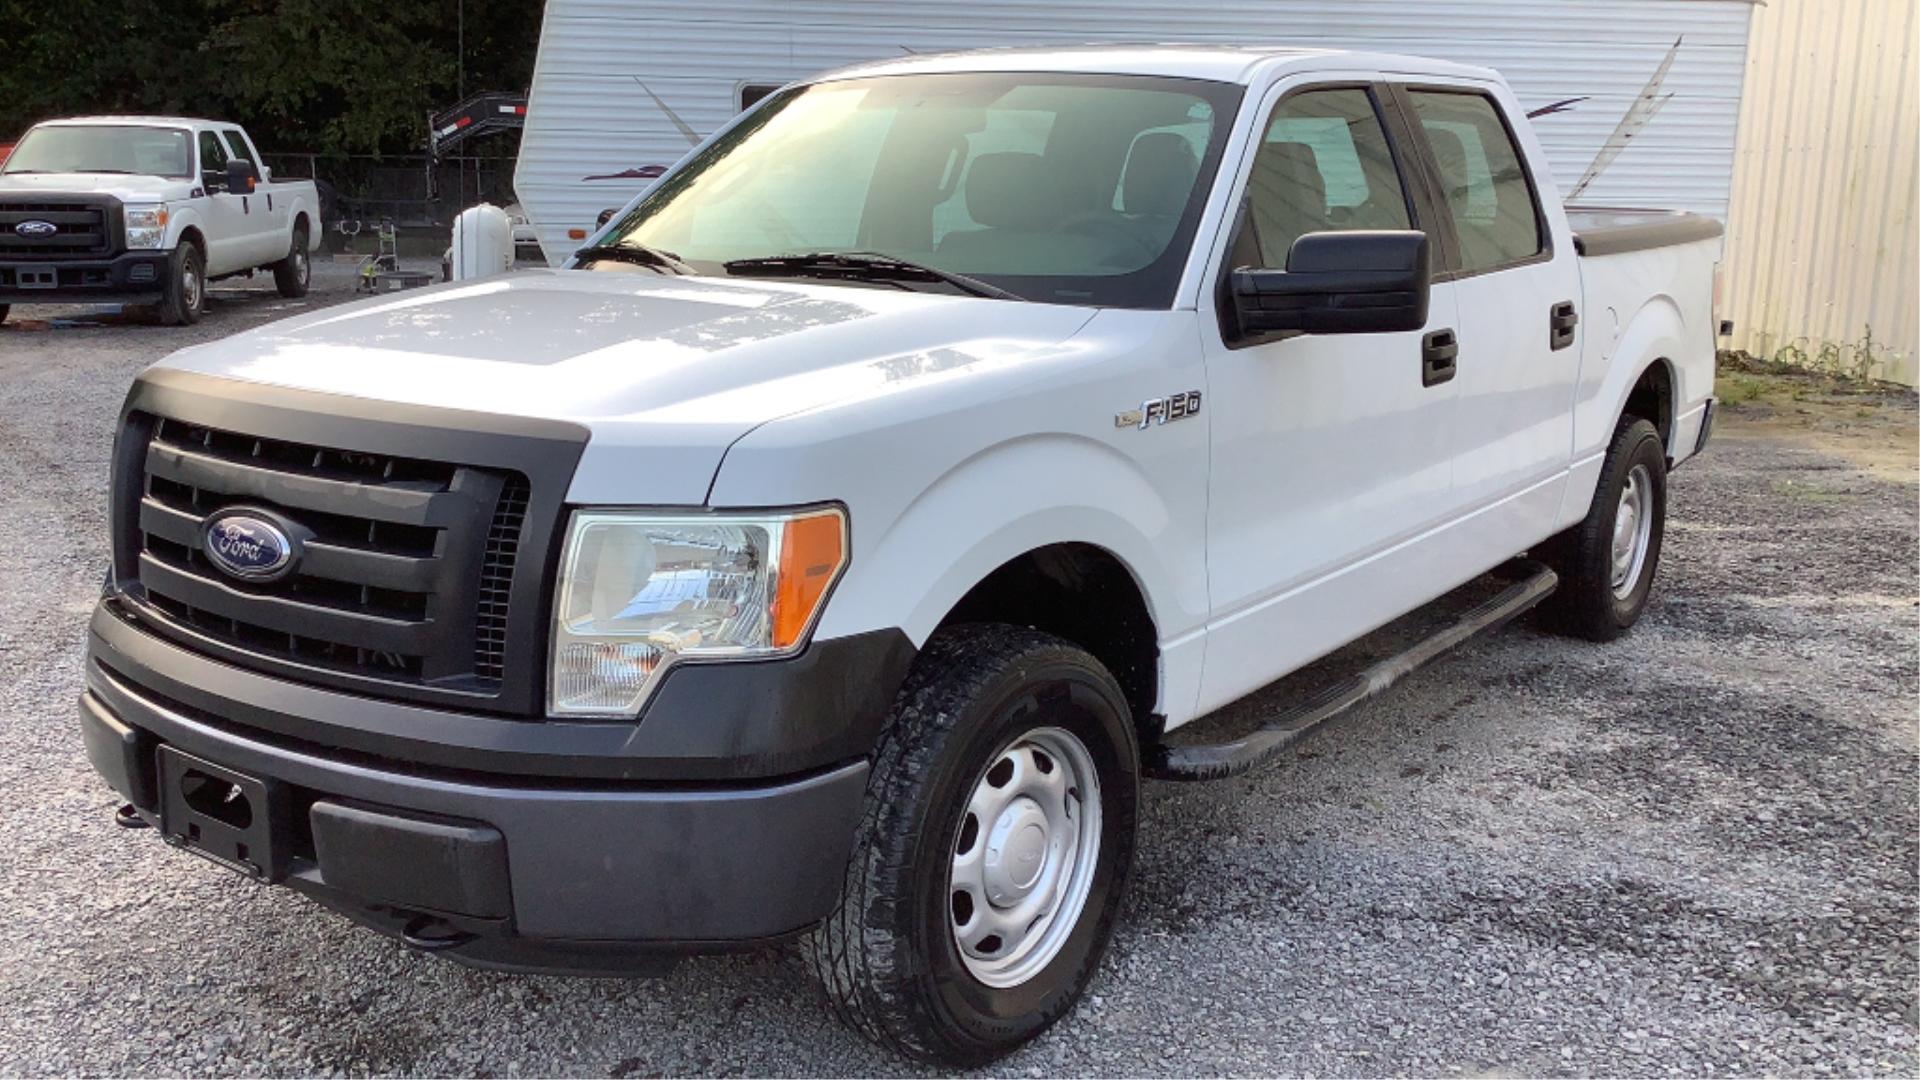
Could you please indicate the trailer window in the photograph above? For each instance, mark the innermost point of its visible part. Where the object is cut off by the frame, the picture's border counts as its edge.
(752, 94)
(1484, 179)
(1062, 188)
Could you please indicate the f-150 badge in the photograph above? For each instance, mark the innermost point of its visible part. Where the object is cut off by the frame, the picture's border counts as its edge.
(1159, 411)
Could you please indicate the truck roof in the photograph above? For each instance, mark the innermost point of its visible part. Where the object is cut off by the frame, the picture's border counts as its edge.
(155, 121)
(1219, 63)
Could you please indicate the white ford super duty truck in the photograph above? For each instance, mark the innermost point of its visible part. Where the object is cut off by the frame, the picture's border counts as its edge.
(146, 210)
(829, 551)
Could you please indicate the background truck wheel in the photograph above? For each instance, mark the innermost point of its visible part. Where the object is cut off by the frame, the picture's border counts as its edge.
(292, 274)
(186, 294)
(4, 308)
(1606, 563)
(997, 834)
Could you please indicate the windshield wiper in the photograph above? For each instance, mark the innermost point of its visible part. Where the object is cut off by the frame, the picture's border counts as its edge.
(637, 254)
(862, 266)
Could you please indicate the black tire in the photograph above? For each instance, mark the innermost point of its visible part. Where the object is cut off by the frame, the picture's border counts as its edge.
(1589, 604)
(185, 297)
(292, 274)
(888, 958)
(4, 309)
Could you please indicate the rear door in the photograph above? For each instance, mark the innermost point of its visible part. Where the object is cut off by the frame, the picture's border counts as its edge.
(1331, 453)
(1518, 294)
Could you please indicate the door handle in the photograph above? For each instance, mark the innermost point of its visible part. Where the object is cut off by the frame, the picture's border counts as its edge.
(1560, 323)
(1439, 357)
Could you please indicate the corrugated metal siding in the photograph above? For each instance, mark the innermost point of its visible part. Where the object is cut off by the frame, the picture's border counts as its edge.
(1823, 242)
(598, 59)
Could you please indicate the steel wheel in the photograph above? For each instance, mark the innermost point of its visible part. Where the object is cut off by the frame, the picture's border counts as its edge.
(302, 269)
(1632, 528)
(189, 285)
(1025, 857)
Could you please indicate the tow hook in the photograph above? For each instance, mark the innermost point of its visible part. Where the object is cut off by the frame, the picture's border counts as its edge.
(429, 934)
(128, 818)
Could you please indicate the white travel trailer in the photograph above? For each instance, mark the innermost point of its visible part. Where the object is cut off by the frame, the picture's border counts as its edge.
(1643, 93)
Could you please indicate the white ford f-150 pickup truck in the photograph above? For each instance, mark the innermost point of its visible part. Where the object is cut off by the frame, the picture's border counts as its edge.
(833, 546)
(146, 210)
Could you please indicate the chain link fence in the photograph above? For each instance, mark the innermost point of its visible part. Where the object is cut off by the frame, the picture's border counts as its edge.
(365, 190)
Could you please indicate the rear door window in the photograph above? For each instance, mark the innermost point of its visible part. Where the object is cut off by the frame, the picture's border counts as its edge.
(1483, 179)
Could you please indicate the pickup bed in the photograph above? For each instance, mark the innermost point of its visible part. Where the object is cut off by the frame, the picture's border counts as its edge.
(146, 210)
(832, 547)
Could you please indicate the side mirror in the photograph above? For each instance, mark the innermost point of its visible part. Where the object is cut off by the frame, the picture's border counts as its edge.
(1339, 283)
(241, 177)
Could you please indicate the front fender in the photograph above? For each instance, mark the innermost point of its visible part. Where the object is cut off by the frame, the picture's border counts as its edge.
(179, 220)
(972, 521)
(948, 475)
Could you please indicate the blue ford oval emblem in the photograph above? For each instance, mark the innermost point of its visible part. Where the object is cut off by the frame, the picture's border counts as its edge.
(247, 545)
(35, 228)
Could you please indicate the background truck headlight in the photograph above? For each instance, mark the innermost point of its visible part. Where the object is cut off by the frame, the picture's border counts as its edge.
(639, 592)
(146, 226)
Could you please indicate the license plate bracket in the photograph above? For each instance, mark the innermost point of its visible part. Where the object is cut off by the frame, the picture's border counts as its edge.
(233, 819)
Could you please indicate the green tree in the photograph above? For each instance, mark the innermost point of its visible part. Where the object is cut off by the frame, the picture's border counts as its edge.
(325, 76)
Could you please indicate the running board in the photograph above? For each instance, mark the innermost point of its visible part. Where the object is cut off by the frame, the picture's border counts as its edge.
(1218, 761)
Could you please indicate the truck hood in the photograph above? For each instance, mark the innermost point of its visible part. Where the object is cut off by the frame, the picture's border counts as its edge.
(665, 372)
(133, 189)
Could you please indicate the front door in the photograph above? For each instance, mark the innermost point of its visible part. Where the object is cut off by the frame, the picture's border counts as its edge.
(1331, 453)
(228, 232)
(266, 218)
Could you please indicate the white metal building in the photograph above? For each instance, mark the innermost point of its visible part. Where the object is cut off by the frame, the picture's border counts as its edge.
(1823, 246)
(622, 88)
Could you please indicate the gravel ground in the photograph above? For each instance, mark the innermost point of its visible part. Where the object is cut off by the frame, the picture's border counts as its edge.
(1691, 851)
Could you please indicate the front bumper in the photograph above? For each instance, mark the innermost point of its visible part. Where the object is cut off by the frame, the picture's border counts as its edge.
(516, 860)
(132, 277)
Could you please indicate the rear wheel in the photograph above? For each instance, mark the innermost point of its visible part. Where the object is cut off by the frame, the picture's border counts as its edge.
(1607, 562)
(186, 290)
(996, 839)
(292, 274)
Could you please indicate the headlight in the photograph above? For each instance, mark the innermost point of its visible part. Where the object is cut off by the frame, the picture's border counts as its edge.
(640, 592)
(146, 226)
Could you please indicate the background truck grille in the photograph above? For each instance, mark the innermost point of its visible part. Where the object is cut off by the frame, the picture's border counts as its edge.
(407, 577)
(85, 226)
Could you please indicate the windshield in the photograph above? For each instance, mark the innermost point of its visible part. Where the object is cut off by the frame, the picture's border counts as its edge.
(103, 148)
(1057, 188)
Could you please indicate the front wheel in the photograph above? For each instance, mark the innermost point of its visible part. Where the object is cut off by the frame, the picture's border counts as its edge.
(990, 859)
(1606, 563)
(186, 289)
(292, 274)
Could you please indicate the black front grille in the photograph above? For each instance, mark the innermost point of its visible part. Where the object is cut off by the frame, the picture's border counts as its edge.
(82, 226)
(406, 569)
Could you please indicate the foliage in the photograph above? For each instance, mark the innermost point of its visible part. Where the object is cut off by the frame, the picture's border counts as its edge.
(324, 76)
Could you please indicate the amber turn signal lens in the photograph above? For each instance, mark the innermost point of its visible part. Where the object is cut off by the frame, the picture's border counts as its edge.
(812, 549)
